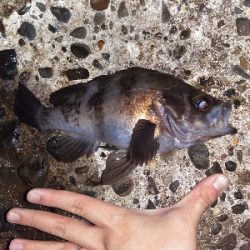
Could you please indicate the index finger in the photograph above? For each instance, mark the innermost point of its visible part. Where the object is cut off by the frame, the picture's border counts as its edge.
(95, 211)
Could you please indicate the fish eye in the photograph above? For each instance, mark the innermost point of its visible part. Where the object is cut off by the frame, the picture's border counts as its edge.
(202, 103)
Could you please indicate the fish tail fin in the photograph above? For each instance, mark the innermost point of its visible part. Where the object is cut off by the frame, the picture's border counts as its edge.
(27, 107)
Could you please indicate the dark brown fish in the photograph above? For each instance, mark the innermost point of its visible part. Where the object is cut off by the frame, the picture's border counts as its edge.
(139, 111)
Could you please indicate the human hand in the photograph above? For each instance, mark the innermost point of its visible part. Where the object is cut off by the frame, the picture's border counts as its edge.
(116, 227)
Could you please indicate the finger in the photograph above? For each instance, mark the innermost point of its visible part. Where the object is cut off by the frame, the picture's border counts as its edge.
(63, 227)
(98, 212)
(19, 244)
(203, 196)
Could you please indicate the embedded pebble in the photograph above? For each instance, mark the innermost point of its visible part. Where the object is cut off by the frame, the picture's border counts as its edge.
(239, 71)
(199, 155)
(152, 188)
(79, 32)
(106, 56)
(45, 72)
(238, 195)
(72, 180)
(237, 10)
(99, 4)
(96, 63)
(77, 74)
(82, 170)
(246, 3)
(174, 186)
(236, 103)
(245, 229)
(150, 205)
(2, 28)
(216, 168)
(123, 188)
(179, 51)
(80, 50)
(52, 29)
(222, 217)
(34, 172)
(239, 208)
(62, 14)
(243, 26)
(216, 228)
(41, 6)
(239, 155)
(223, 197)
(229, 92)
(165, 13)
(8, 64)
(185, 34)
(24, 77)
(230, 166)
(99, 18)
(229, 242)
(122, 10)
(27, 30)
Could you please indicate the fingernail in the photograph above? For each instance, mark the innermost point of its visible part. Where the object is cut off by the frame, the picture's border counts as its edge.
(220, 183)
(33, 197)
(15, 245)
(13, 217)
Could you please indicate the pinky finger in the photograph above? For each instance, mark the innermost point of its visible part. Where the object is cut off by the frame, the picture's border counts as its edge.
(19, 244)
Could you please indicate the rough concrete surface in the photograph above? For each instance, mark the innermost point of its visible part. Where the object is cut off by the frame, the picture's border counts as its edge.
(206, 43)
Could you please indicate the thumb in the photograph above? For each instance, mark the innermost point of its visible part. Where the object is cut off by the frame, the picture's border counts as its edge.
(203, 196)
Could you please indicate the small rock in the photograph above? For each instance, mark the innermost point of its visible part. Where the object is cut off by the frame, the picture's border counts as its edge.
(62, 14)
(2, 28)
(152, 188)
(243, 26)
(136, 201)
(24, 10)
(236, 103)
(237, 10)
(223, 197)
(239, 71)
(245, 229)
(99, 4)
(8, 64)
(24, 77)
(82, 170)
(103, 154)
(246, 3)
(173, 30)
(245, 246)
(41, 6)
(239, 208)
(27, 30)
(179, 51)
(230, 166)
(72, 180)
(216, 228)
(52, 29)
(122, 10)
(106, 56)
(199, 156)
(165, 13)
(21, 42)
(34, 172)
(229, 92)
(123, 188)
(80, 50)
(45, 72)
(150, 205)
(77, 74)
(222, 217)
(79, 33)
(215, 203)
(99, 18)
(239, 156)
(214, 169)
(97, 64)
(174, 186)
(229, 242)
(185, 34)
(238, 195)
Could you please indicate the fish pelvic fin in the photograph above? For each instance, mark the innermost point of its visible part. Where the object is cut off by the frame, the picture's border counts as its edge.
(28, 108)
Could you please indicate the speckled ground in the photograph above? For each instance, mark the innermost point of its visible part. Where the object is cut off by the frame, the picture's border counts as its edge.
(206, 43)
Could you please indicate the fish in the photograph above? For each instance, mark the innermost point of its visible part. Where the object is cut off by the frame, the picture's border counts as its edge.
(139, 112)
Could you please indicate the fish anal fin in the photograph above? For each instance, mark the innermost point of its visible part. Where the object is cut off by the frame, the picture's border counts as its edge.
(69, 147)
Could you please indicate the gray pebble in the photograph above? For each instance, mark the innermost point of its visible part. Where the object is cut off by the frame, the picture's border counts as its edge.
(243, 26)
(62, 14)
(27, 30)
(246, 3)
(199, 156)
(123, 188)
(216, 228)
(222, 217)
(150, 205)
(239, 71)
(82, 170)
(179, 51)
(174, 186)
(229, 242)
(165, 13)
(99, 18)
(45, 72)
(77, 74)
(79, 32)
(238, 195)
(80, 50)
(214, 169)
(41, 6)
(237, 10)
(122, 10)
(245, 229)
(230, 166)
(152, 188)
(238, 208)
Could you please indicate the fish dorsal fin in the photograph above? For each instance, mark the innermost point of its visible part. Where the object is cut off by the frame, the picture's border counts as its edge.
(60, 96)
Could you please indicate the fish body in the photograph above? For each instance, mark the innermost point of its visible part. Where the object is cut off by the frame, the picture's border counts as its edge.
(139, 111)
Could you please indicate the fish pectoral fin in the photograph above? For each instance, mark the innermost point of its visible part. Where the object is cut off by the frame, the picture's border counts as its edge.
(60, 96)
(118, 166)
(69, 147)
(143, 146)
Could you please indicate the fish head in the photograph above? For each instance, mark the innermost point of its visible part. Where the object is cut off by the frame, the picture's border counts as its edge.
(193, 116)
